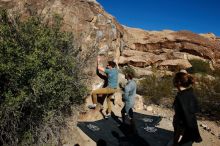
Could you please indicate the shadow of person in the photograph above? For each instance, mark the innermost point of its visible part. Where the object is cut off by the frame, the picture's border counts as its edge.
(130, 140)
(104, 77)
(115, 118)
(113, 131)
(131, 137)
(128, 128)
(101, 142)
(102, 97)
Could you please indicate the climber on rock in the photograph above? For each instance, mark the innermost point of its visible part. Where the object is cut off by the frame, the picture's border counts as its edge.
(112, 75)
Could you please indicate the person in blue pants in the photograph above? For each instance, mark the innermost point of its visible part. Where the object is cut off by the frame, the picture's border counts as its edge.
(129, 97)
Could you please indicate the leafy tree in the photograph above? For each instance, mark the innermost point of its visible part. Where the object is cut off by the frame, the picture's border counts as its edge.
(40, 80)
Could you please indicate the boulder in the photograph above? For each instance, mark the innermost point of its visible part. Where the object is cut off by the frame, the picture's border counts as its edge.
(182, 63)
(97, 32)
(209, 35)
(172, 45)
(139, 102)
(141, 72)
(149, 108)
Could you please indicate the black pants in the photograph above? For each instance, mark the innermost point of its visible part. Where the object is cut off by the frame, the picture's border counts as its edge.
(130, 114)
(186, 144)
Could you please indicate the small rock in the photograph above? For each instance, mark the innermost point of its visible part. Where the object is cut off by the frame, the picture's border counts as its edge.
(171, 118)
(205, 127)
(163, 115)
(139, 102)
(149, 108)
(213, 133)
(154, 112)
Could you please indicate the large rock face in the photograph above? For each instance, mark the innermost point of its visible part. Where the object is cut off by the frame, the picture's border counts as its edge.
(98, 32)
(95, 31)
(168, 48)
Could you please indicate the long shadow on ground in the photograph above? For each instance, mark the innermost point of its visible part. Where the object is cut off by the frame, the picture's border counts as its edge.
(115, 133)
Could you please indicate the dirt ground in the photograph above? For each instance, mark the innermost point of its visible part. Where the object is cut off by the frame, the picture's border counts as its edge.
(209, 130)
(210, 135)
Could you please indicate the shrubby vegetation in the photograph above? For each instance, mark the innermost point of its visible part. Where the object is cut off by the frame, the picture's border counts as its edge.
(40, 80)
(155, 88)
(207, 88)
(128, 69)
(199, 66)
(208, 93)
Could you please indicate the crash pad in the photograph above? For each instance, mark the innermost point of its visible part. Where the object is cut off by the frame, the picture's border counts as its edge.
(114, 133)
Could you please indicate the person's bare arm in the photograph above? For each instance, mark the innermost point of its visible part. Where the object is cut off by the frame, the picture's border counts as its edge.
(100, 68)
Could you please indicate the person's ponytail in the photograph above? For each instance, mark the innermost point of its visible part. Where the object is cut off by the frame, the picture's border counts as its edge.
(183, 79)
(191, 79)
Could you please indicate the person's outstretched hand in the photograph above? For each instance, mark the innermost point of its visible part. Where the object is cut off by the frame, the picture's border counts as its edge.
(98, 58)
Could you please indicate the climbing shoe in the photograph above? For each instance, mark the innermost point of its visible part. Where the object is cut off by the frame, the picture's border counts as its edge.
(107, 116)
(92, 106)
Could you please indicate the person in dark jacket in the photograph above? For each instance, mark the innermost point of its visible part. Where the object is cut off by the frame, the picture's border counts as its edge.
(185, 107)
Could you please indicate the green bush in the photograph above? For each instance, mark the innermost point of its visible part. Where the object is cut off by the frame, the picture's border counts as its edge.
(199, 66)
(207, 89)
(216, 72)
(216, 82)
(156, 88)
(40, 80)
(129, 70)
(208, 93)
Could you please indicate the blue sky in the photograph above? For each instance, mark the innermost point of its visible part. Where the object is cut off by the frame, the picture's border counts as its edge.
(199, 16)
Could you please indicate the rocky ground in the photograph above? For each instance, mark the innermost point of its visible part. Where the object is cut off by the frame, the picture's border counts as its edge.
(209, 130)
